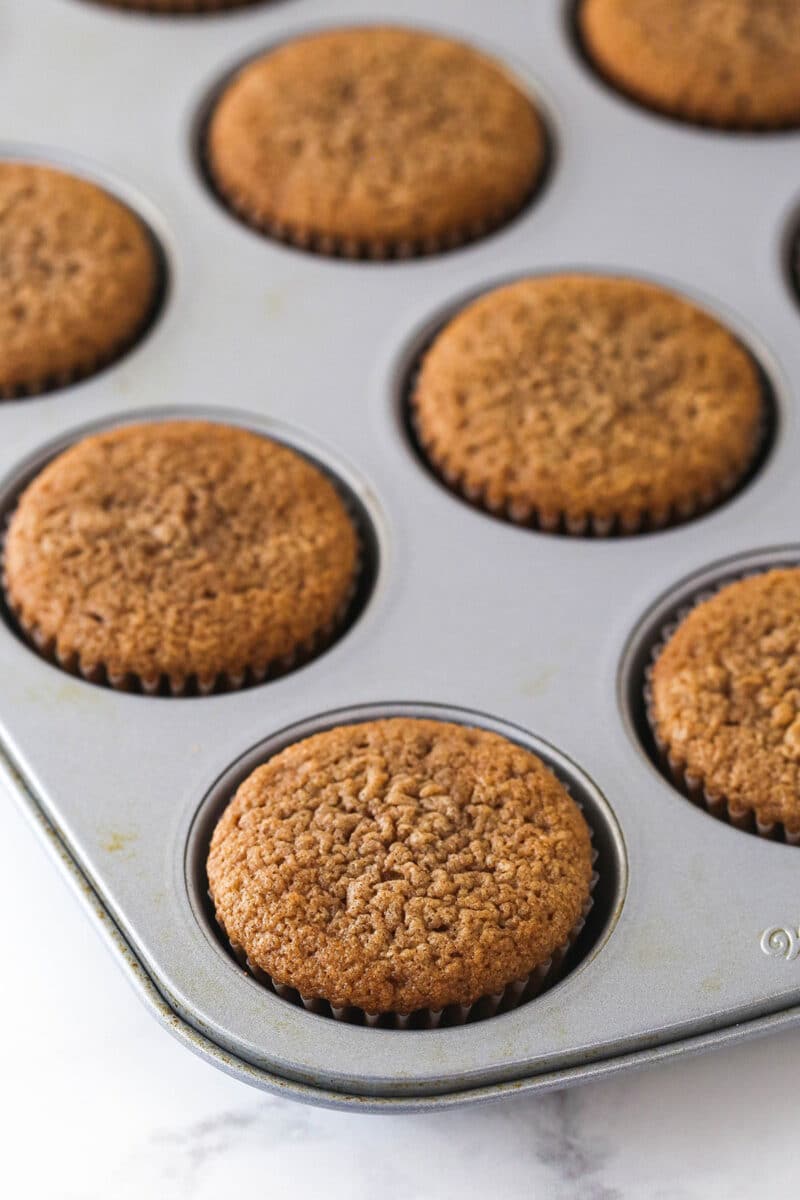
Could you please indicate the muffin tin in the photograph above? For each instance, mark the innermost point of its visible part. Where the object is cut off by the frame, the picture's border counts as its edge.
(542, 636)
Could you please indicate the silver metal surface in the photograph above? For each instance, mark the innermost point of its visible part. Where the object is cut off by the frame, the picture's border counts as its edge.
(467, 612)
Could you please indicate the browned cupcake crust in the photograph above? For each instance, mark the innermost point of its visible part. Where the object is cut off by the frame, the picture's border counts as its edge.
(733, 64)
(589, 403)
(79, 278)
(183, 551)
(725, 697)
(400, 864)
(375, 141)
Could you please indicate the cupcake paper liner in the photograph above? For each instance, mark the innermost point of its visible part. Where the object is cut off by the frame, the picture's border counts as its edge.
(674, 767)
(518, 992)
(52, 382)
(353, 248)
(177, 686)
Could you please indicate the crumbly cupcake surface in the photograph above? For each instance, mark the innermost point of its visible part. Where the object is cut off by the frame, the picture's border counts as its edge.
(375, 140)
(79, 277)
(186, 550)
(725, 699)
(588, 398)
(400, 864)
(728, 63)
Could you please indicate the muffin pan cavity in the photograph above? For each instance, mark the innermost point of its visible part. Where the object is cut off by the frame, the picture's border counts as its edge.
(357, 245)
(607, 896)
(645, 59)
(407, 375)
(192, 685)
(648, 641)
(85, 274)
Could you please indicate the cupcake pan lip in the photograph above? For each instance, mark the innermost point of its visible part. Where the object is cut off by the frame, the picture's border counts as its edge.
(136, 202)
(113, 781)
(409, 363)
(353, 491)
(354, 250)
(610, 865)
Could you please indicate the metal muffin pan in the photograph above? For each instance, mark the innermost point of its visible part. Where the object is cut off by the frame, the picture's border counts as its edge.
(533, 633)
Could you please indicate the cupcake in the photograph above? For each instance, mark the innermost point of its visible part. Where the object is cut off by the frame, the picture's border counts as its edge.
(588, 404)
(180, 556)
(80, 278)
(732, 64)
(402, 866)
(374, 142)
(724, 703)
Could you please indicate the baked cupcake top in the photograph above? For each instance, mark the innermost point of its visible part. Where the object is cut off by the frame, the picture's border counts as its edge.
(400, 864)
(725, 699)
(591, 399)
(375, 141)
(79, 278)
(186, 550)
(733, 64)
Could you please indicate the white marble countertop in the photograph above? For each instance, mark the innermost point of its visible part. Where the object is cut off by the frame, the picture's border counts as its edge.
(100, 1103)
